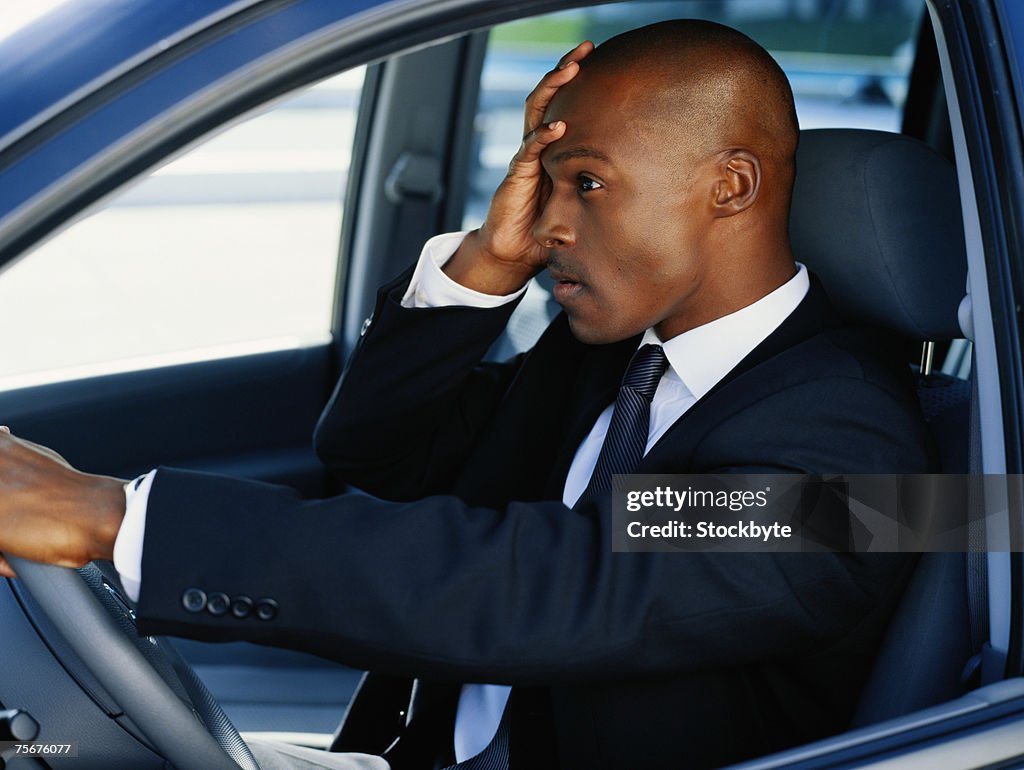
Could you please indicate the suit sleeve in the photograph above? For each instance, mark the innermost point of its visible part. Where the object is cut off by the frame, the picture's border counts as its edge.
(530, 593)
(414, 396)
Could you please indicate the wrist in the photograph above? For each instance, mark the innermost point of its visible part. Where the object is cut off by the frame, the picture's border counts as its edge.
(476, 268)
(106, 509)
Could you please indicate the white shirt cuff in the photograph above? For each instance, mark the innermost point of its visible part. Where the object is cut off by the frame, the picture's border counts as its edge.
(128, 546)
(430, 287)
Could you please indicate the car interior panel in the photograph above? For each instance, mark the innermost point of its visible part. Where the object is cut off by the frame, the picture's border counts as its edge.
(913, 228)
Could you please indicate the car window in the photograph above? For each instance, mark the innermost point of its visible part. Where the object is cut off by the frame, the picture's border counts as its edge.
(229, 249)
(848, 62)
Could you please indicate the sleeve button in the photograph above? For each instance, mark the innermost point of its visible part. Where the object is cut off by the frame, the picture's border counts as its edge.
(218, 604)
(266, 609)
(241, 607)
(193, 600)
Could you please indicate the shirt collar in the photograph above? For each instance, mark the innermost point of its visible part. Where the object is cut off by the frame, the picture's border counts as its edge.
(701, 357)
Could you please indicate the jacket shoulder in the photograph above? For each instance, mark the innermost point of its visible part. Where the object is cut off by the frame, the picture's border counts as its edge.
(841, 401)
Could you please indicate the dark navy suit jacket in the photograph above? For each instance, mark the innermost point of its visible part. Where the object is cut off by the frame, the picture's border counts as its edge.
(470, 569)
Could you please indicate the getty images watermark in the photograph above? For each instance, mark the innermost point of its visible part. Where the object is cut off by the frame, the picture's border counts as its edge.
(828, 512)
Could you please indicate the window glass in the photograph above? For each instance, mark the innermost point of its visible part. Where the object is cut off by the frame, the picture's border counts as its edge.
(847, 60)
(14, 16)
(229, 249)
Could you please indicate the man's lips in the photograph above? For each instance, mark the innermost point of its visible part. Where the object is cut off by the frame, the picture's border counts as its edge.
(566, 285)
(564, 291)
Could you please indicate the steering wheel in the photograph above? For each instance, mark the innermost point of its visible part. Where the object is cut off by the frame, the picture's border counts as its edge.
(150, 681)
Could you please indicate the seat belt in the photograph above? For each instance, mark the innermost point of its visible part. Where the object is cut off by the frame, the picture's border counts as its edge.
(415, 187)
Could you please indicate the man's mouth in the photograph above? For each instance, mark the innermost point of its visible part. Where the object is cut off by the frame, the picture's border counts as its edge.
(566, 283)
(565, 288)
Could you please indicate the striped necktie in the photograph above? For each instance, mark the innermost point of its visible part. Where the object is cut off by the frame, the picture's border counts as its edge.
(630, 426)
(623, 447)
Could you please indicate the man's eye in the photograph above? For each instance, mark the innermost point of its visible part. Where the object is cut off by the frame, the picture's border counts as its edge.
(586, 184)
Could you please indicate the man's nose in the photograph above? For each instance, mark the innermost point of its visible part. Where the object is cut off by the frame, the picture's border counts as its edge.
(553, 229)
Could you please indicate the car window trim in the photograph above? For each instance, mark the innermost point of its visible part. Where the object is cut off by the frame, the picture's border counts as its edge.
(108, 86)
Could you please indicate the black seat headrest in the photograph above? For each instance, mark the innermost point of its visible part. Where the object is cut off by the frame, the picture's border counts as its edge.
(877, 217)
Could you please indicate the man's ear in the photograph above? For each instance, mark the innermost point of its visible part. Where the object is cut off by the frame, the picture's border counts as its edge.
(739, 182)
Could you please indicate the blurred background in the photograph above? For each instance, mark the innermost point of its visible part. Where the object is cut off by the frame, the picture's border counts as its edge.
(231, 248)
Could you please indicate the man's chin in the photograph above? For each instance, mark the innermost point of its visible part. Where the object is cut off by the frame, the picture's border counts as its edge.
(596, 334)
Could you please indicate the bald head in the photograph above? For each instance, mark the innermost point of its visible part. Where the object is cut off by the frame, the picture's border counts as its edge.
(671, 180)
(701, 86)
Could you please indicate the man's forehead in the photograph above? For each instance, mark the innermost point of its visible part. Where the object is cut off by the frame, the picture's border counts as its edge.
(587, 106)
(607, 98)
(605, 124)
(562, 102)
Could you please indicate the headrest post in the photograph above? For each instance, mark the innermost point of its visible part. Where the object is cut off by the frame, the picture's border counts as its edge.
(927, 353)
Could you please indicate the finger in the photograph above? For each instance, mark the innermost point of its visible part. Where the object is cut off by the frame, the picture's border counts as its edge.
(34, 446)
(539, 99)
(5, 568)
(526, 161)
(577, 54)
(47, 452)
(55, 456)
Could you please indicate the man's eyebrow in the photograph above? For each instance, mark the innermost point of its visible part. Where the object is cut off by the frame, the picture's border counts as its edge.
(579, 152)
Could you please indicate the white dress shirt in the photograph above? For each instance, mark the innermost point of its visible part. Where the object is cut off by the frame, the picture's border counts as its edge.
(697, 359)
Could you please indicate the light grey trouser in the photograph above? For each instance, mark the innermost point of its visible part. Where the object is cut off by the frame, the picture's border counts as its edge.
(284, 756)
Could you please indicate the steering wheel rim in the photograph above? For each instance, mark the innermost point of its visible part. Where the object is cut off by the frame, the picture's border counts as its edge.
(177, 730)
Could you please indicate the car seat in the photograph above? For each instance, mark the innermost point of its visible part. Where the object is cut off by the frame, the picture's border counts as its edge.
(877, 217)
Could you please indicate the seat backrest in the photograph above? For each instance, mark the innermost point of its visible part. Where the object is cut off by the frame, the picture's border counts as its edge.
(877, 217)
(926, 646)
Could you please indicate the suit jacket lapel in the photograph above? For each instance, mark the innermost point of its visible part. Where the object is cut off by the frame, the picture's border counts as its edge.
(597, 385)
(813, 315)
(599, 368)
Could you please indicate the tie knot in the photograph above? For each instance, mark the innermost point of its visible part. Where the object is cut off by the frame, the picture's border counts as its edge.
(645, 369)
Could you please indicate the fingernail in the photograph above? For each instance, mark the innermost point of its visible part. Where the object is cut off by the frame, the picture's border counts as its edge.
(5, 429)
(555, 125)
(566, 64)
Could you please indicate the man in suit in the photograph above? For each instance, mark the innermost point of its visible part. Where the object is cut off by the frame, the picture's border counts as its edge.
(653, 183)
